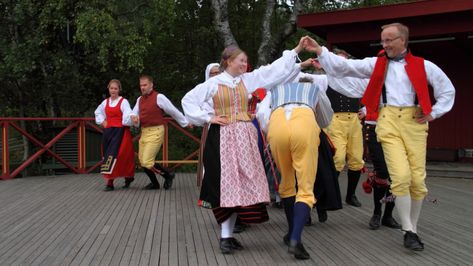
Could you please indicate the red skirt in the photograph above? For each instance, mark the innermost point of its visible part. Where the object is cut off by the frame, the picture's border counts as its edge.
(125, 163)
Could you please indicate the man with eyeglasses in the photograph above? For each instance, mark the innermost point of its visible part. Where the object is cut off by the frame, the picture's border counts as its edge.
(397, 96)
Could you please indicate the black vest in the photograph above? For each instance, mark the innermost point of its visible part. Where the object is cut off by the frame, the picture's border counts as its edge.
(342, 103)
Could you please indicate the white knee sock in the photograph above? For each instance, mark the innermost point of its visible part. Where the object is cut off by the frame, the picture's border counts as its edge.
(416, 206)
(403, 206)
(228, 225)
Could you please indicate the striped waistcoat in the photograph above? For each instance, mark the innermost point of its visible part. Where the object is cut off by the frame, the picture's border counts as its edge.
(301, 93)
(232, 102)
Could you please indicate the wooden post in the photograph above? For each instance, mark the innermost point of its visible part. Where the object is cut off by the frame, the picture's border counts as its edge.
(5, 152)
(81, 160)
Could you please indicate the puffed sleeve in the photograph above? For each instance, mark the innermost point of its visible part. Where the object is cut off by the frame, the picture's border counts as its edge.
(271, 75)
(127, 112)
(193, 101)
(100, 113)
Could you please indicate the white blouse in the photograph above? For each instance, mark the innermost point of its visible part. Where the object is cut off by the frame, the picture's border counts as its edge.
(100, 115)
(164, 103)
(399, 90)
(264, 77)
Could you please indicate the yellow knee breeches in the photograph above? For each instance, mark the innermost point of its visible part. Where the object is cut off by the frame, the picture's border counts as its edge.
(294, 144)
(149, 145)
(346, 134)
(404, 144)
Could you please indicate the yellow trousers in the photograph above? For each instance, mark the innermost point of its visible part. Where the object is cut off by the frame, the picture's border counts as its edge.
(149, 145)
(345, 132)
(294, 144)
(404, 144)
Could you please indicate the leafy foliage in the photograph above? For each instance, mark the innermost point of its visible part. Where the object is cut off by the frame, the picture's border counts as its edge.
(57, 56)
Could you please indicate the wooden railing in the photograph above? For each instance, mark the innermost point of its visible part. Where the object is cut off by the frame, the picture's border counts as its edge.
(79, 124)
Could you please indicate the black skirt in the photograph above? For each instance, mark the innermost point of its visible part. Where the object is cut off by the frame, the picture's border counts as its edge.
(210, 189)
(326, 187)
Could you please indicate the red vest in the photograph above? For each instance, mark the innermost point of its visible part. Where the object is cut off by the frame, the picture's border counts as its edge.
(415, 71)
(150, 113)
(114, 114)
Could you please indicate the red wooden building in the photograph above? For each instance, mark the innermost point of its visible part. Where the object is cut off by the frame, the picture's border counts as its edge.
(441, 31)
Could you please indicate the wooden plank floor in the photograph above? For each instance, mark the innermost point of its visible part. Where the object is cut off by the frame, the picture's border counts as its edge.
(69, 220)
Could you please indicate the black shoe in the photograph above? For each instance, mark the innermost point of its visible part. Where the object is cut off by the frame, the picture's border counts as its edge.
(226, 245)
(168, 180)
(299, 251)
(285, 239)
(235, 244)
(322, 214)
(375, 222)
(309, 221)
(151, 186)
(128, 182)
(412, 241)
(108, 188)
(353, 201)
(390, 222)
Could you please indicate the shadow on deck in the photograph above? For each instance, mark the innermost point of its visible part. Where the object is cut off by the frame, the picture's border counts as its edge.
(69, 220)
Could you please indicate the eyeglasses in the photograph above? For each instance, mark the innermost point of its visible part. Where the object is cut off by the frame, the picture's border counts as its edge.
(389, 41)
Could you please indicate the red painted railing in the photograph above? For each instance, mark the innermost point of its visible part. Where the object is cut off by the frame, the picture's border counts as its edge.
(80, 124)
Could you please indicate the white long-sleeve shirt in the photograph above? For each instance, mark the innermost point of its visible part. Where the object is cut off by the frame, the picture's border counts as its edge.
(348, 84)
(399, 89)
(164, 103)
(100, 115)
(264, 77)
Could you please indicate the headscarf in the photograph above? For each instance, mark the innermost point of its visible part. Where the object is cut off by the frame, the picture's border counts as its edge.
(209, 67)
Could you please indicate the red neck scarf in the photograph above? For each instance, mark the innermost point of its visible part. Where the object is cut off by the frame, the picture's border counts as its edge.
(415, 71)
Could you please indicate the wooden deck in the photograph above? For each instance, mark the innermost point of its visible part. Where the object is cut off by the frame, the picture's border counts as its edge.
(69, 220)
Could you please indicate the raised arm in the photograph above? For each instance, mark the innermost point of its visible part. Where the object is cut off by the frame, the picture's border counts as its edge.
(271, 75)
(338, 66)
(296, 72)
(277, 72)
